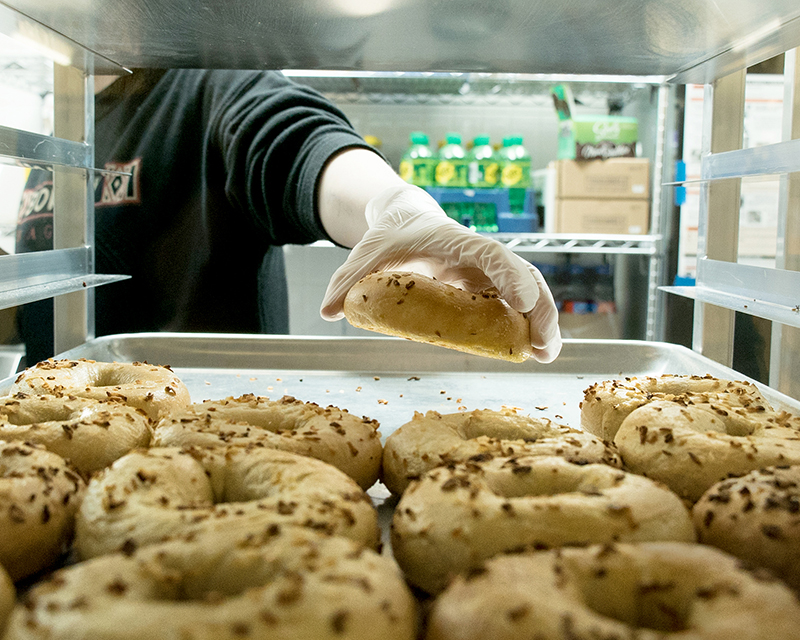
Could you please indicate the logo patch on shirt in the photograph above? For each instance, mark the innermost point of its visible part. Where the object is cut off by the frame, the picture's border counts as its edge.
(118, 189)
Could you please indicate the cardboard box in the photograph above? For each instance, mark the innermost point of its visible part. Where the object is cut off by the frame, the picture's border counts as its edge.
(597, 137)
(591, 137)
(602, 216)
(617, 178)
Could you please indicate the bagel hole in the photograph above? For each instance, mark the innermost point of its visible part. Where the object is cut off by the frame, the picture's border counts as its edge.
(501, 428)
(716, 419)
(542, 479)
(106, 377)
(660, 606)
(263, 419)
(231, 576)
(739, 427)
(46, 412)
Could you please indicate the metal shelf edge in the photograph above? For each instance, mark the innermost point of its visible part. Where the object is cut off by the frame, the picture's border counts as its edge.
(42, 290)
(769, 311)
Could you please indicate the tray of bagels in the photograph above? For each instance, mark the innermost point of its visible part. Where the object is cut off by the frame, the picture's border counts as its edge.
(231, 486)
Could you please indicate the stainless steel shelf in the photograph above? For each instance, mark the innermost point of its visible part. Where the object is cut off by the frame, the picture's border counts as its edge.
(777, 313)
(46, 151)
(41, 40)
(773, 294)
(579, 243)
(668, 39)
(36, 276)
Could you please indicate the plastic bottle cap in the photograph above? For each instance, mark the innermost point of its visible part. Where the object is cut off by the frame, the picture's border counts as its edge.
(508, 141)
(481, 140)
(453, 138)
(417, 137)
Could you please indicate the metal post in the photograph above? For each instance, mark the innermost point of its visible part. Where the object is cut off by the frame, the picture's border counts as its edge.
(73, 192)
(661, 215)
(784, 373)
(718, 228)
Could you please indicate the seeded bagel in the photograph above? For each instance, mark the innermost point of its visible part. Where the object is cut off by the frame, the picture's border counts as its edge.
(646, 591)
(757, 518)
(151, 496)
(433, 439)
(423, 309)
(282, 582)
(89, 433)
(691, 446)
(606, 404)
(39, 494)
(451, 520)
(330, 434)
(154, 389)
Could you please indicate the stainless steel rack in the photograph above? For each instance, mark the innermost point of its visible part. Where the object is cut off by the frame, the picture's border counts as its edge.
(665, 41)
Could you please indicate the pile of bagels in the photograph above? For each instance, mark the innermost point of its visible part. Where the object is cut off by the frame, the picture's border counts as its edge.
(128, 511)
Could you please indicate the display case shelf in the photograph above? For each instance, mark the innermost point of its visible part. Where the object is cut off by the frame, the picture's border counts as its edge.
(669, 39)
(28, 277)
(27, 148)
(580, 243)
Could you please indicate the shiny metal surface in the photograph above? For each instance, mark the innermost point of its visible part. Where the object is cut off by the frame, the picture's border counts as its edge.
(27, 148)
(692, 38)
(32, 38)
(47, 151)
(579, 243)
(27, 277)
(389, 379)
(777, 287)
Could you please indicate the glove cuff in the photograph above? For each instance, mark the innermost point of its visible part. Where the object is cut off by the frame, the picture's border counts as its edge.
(405, 198)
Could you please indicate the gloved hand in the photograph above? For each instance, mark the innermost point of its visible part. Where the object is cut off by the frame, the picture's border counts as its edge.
(409, 230)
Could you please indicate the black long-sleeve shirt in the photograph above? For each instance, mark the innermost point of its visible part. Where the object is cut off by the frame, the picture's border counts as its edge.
(225, 167)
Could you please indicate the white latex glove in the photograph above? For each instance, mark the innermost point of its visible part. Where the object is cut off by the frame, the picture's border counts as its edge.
(408, 229)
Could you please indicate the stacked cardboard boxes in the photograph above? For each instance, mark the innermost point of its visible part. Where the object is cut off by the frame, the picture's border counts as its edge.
(609, 196)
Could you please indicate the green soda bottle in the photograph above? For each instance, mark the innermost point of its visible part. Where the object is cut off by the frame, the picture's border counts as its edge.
(482, 167)
(418, 163)
(482, 173)
(515, 171)
(451, 172)
(451, 169)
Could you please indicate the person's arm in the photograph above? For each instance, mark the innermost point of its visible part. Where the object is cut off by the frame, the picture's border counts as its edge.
(277, 142)
(349, 181)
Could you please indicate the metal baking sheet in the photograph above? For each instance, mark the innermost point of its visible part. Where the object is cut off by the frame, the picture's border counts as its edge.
(388, 379)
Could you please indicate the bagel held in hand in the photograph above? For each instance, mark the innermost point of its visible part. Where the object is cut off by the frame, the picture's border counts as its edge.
(39, 494)
(647, 591)
(281, 582)
(154, 389)
(423, 309)
(153, 495)
(455, 517)
(433, 439)
(331, 434)
(89, 433)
